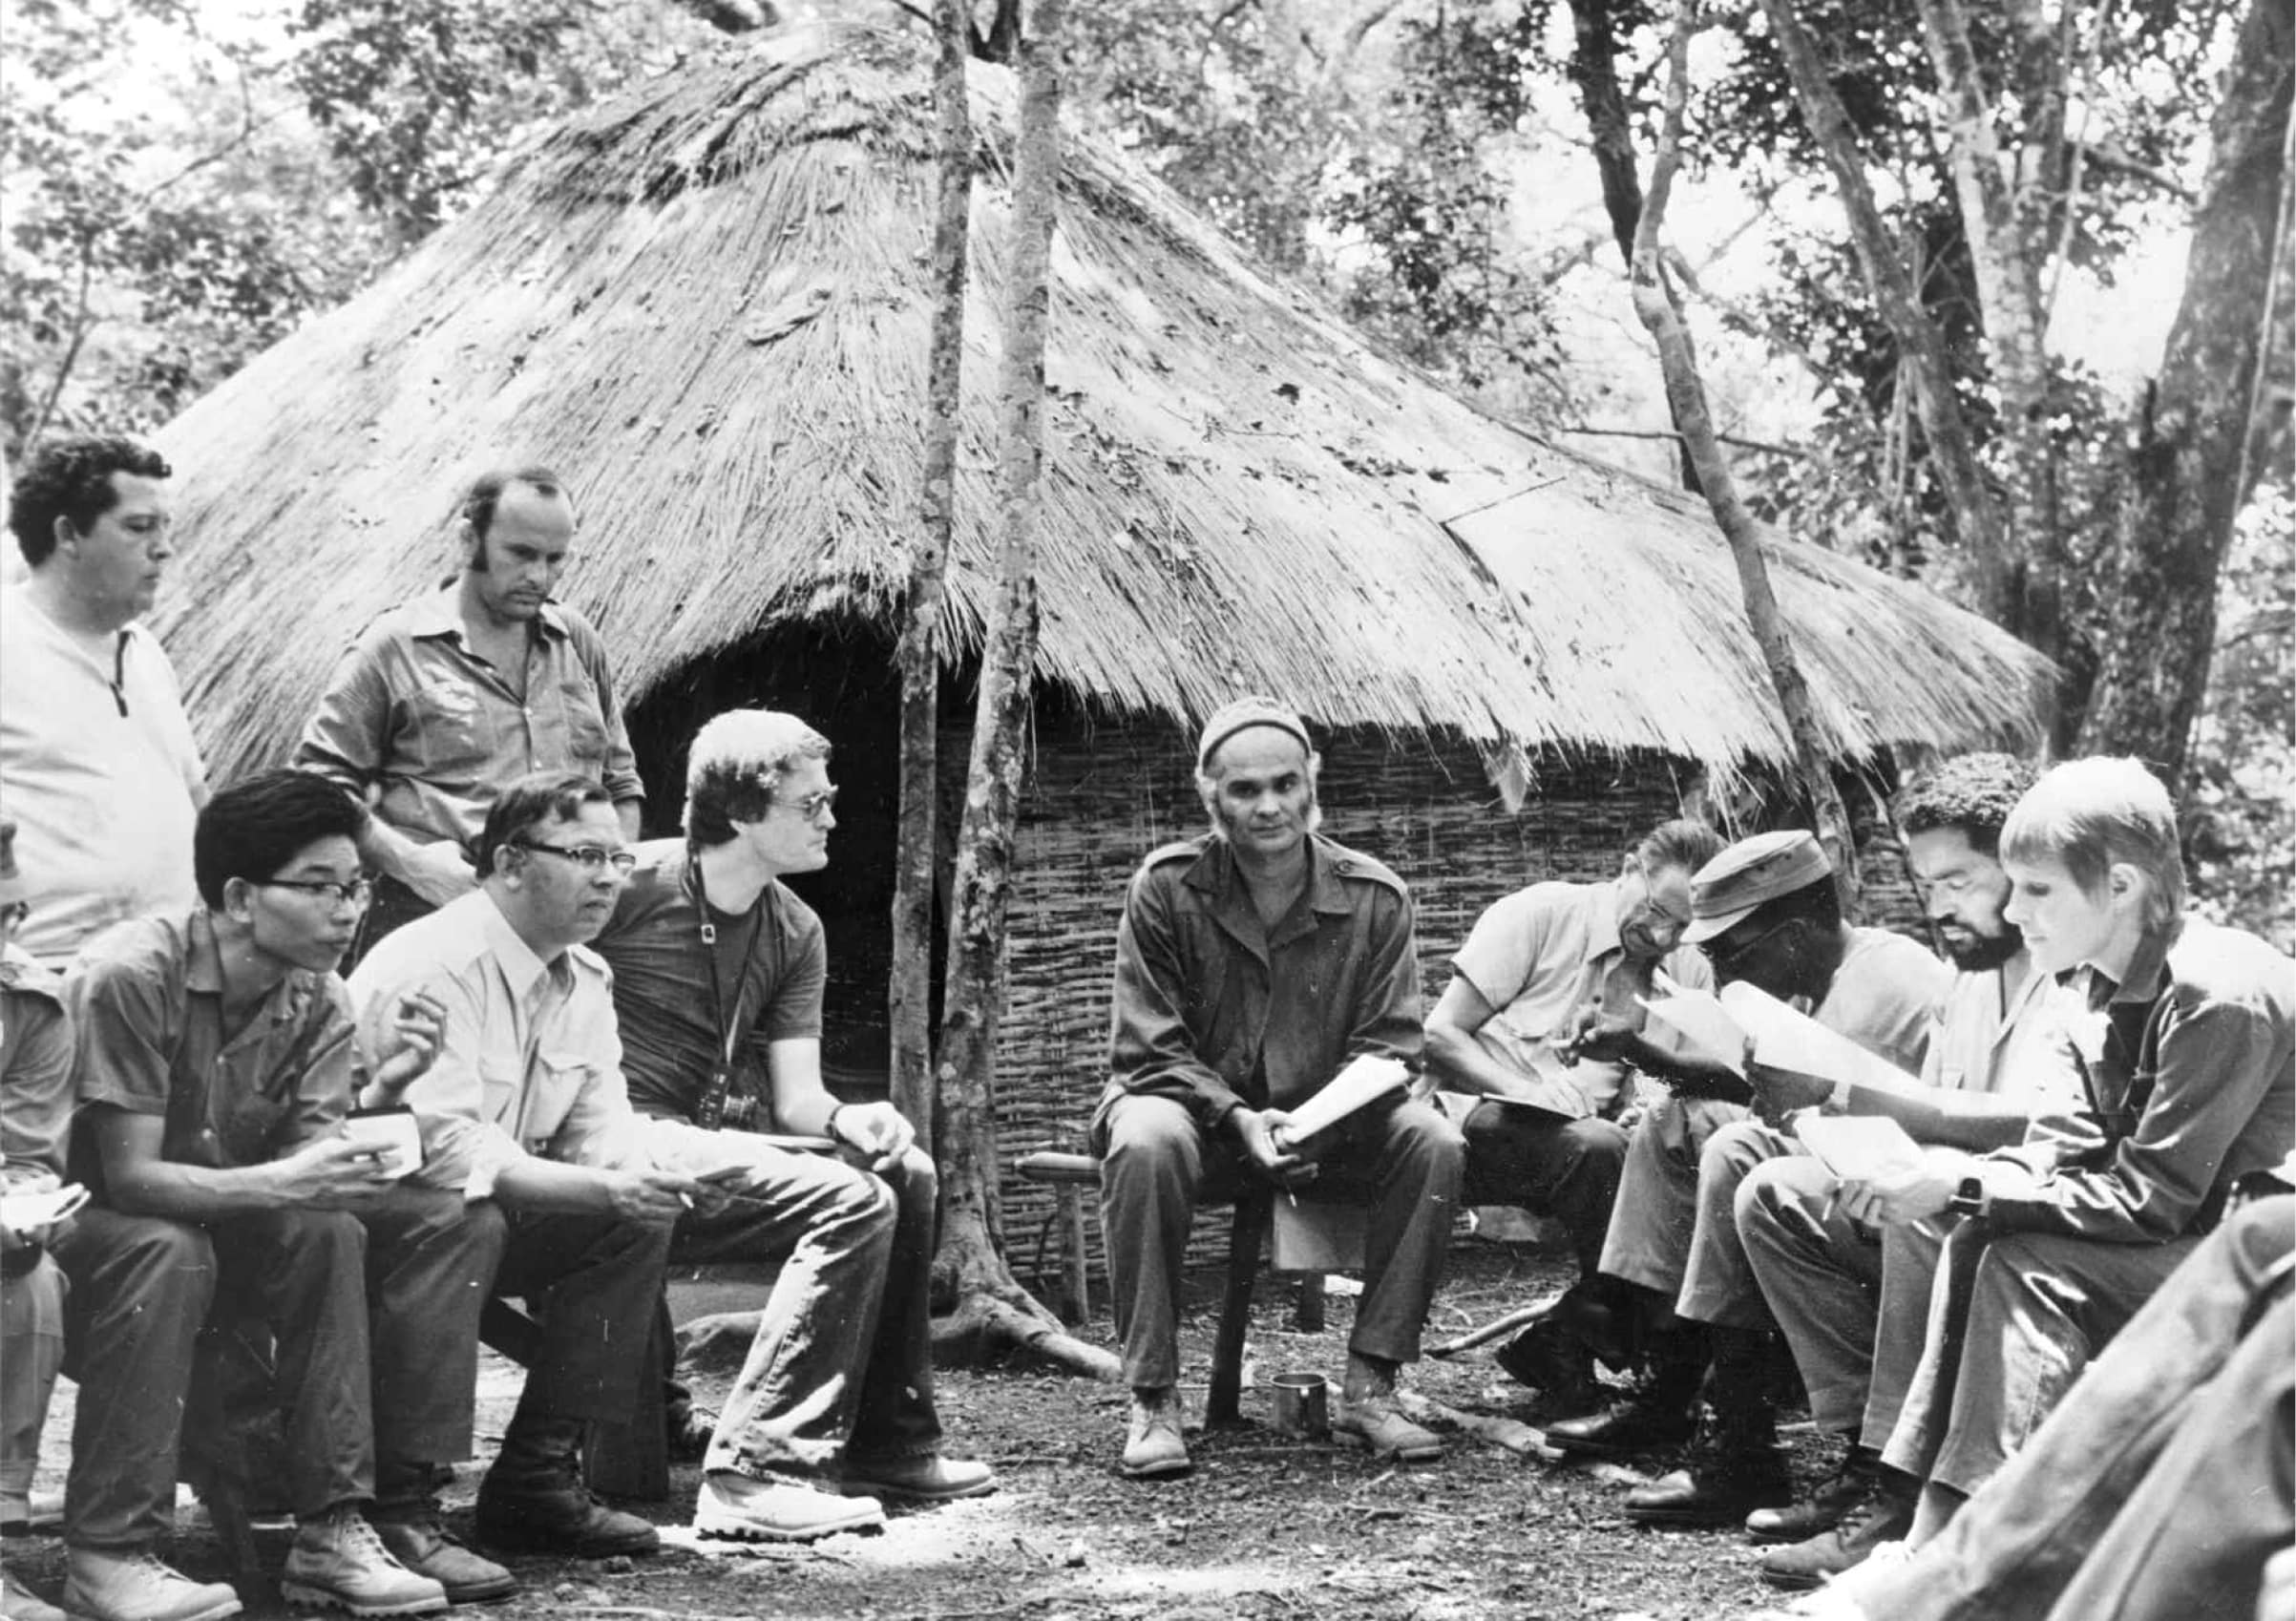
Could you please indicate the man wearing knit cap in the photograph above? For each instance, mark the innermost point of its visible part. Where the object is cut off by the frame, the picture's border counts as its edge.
(1252, 964)
(1764, 911)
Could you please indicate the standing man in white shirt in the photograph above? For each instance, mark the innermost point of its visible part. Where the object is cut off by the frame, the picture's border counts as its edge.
(97, 765)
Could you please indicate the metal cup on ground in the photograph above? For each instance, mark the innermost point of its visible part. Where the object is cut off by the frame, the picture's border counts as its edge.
(1302, 1405)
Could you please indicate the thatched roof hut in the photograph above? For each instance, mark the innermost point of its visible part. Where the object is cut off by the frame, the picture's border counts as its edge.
(705, 304)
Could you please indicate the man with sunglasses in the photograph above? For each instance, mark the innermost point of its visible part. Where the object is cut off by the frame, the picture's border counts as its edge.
(445, 700)
(214, 1067)
(525, 1106)
(718, 977)
(1764, 911)
(1541, 970)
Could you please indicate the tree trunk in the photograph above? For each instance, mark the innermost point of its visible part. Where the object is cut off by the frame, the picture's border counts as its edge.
(1686, 393)
(2198, 436)
(990, 1303)
(909, 992)
(1978, 517)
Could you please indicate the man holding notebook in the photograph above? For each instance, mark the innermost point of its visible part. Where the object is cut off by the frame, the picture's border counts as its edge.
(1253, 964)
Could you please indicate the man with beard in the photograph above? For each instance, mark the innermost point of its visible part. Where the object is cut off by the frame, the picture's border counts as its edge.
(1766, 913)
(1998, 1061)
(1541, 968)
(442, 703)
(1252, 964)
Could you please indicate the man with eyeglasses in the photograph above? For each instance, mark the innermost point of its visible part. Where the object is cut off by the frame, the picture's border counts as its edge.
(103, 775)
(443, 702)
(214, 1067)
(525, 1106)
(718, 977)
(1764, 911)
(1533, 1030)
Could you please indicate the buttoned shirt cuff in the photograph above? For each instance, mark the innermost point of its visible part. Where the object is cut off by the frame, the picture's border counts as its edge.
(1836, 1100)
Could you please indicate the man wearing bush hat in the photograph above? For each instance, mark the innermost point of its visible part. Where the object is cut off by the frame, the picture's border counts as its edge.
(1764, 911)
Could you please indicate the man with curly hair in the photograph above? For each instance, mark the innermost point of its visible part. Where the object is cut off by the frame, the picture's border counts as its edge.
(103, 776)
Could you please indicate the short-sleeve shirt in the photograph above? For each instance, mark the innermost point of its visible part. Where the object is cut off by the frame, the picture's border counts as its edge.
(2004, 1045)
(1541, 955)
(530, 1061)
(412, 712)
(100, 773)
(35, 1073)
(147, 1014)
(772, 964)
(1885, 997)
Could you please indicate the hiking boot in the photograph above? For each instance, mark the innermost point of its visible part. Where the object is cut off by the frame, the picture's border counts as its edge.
(783, 1509)
(1154, 1447)
(105, 1586)
(1550, 1361)
(427, 1548)
(532, 1500)
(1636, 1423)
(1735, 1465)
(1883, 1515)
(339, 1563)
(19, 1603)
(929, 1478)
(1374, 1421)
(1823, 1508)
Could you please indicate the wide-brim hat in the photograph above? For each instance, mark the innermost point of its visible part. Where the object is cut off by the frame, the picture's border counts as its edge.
(1727, 890)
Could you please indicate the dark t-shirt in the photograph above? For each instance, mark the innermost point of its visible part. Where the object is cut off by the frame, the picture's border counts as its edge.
(772, 964)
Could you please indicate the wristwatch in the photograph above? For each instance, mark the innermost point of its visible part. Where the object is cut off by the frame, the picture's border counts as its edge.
(1969, 1199)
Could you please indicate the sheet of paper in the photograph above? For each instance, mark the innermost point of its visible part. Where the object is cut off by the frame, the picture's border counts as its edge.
(1708, 1029)
(1365, 1079)
(1859, 1147)
(22, 1213)
(1784, 1038)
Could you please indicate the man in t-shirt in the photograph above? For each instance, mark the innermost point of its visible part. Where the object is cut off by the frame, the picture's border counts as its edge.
(718, 977)
(97, 765)
(1541, 968)
(1765, 910)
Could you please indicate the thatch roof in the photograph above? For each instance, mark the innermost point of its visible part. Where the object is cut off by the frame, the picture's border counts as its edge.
(705, 304)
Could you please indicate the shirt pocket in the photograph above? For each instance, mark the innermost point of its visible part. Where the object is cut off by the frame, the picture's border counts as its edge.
(560, 1078)
(585, 720)
(445, 733)
(249, 1120)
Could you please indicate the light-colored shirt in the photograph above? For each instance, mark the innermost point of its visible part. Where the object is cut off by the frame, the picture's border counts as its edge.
(1885, 997)
(35, 1074)
(2006, 1047)
(100, 772)
(412, 712)
(530, 1060)
(1541, 955)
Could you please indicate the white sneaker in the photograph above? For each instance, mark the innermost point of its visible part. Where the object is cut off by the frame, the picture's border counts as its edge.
(104, 1586)
(787, 1509)
(19, 1603)
(338, 1563)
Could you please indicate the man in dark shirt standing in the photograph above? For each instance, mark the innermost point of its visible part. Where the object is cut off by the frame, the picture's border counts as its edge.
(718, 978)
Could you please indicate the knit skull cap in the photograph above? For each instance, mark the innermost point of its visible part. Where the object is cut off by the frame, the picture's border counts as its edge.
(1748, 874)
(1241, 714)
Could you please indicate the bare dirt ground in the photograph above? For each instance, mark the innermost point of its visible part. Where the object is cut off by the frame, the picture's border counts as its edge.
(1267, 1529)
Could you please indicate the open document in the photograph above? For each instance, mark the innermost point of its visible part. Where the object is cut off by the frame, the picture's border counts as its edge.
(1719, 1030)
(1365, 1079)
(1859, 1147)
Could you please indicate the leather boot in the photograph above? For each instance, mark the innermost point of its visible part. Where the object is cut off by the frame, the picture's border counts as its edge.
(1822, 1510)
(1736, 1466)
(1662, 1413)
(532, 1500)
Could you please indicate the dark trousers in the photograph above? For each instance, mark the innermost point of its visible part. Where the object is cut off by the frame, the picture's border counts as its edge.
(355, 1304)
(1157, 1165)
(842, 1363)
(1549, 1165)
(592, 1282)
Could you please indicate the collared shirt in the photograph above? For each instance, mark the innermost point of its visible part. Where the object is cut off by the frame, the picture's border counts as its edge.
(1216, 1009)
(2191, 1084)
(147, 1011)
(1541, 955)
(103, 781)
(2003, 1045)
(411, 709)
(35, 1073)
(772, 967)
(530, 1061)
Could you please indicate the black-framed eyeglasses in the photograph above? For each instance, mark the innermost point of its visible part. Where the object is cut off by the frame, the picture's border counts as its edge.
(589, 857)
(1650, 909)
(1718, 954)
(358, 892)
(812, 805)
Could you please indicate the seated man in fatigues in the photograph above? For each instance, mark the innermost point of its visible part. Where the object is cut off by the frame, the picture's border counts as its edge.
(1252, 964)
(2185, 1040)
(718, 978)
(35, 1124)
(525, 1106)
(214, 1065)
(1997, 1061)
(1538, 968)
(1764, 911)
